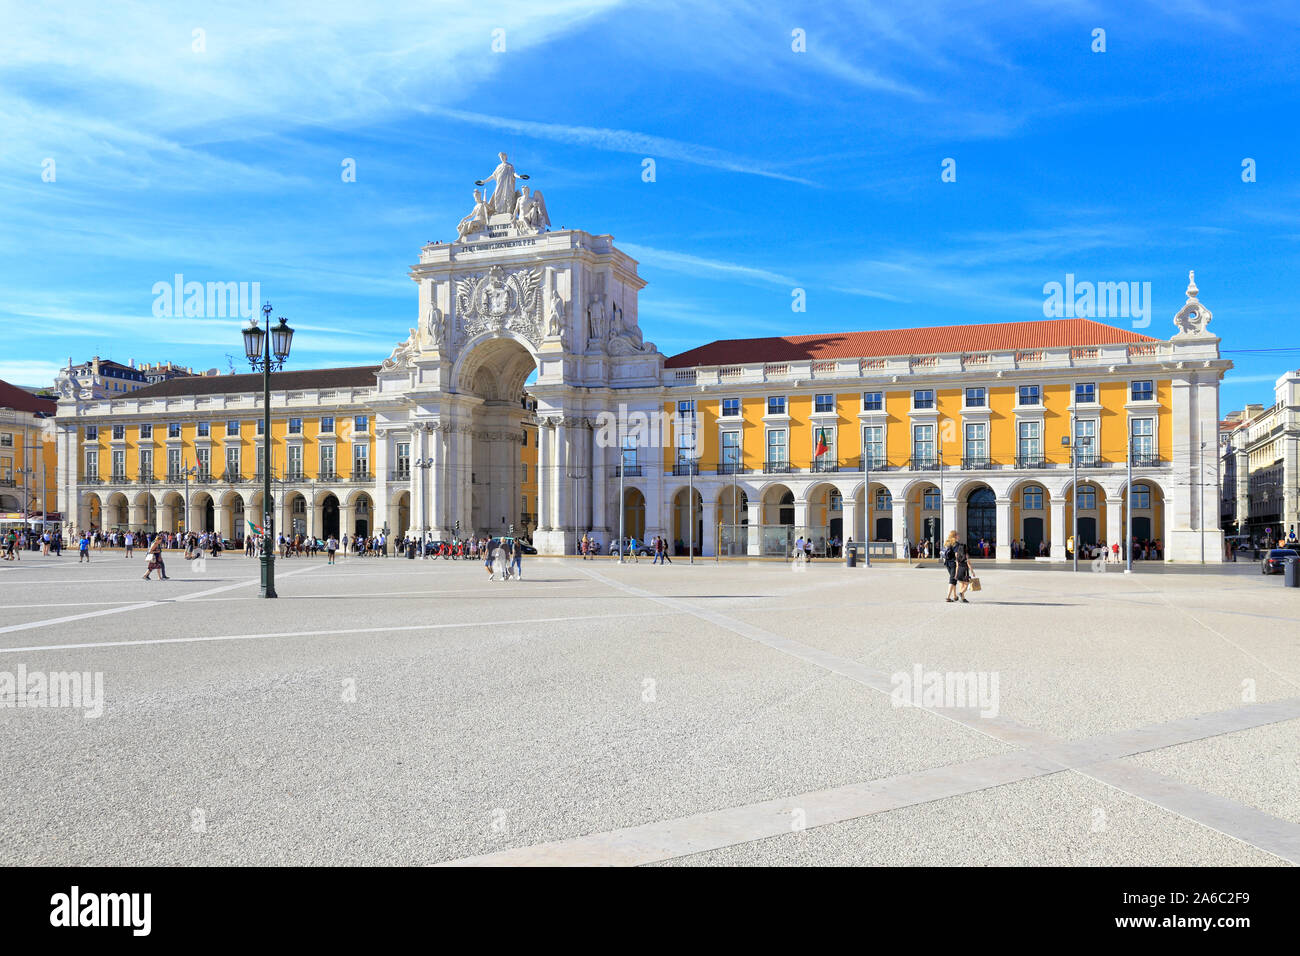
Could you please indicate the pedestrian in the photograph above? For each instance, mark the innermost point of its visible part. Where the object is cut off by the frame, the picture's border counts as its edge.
(950, 563)
(83, 548)
(517, 553)
(155, 561)
(498, 561)
(331, 546)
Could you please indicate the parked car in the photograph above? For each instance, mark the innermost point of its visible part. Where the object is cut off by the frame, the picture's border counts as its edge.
(1275, 561)
(642, 549)
(527, 548)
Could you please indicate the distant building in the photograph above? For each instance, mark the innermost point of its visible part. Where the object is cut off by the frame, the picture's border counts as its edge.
(28, 462)
(104, 378)
(1261, 459)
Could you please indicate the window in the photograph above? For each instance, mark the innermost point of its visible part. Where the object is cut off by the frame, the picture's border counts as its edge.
(1033, 499)
(686, 441)
(686, 409)
(827, 459)
(404, 459)
(261, 460)
(1141, 497)
(327, 424)
(119, 464)
(922, 446)
(776, 446)
(361, 423)
(205, 429)
(824, 403)
(776, 405)
(173, 464)
(327, 461)
(360, 460)
(923, 398)
(873, 446)
(295, 426)
(524, 465)
(1143, 391)
(1144, 438)
(232, 463)
(977, 448)
(629, 454)
(232, 429)
(7, 440)
(835, 502)
(92, 464)
(261, 427)
(119, 432)
(1029, 437)
(92, 433)
(174, 430)
(146, 431)
(1029, 395)
(146, 464)
(873, 401)
(1085, 437)
(731, 408)
(524, 443)
(1087, 498)
(1085, 393)
(293, 466)
(977, 397)
(930, 499)
(884, 500)
(731, 451)
(204, 461)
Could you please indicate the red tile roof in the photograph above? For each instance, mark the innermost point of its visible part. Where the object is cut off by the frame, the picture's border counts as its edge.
(936, 340)
(19, 399)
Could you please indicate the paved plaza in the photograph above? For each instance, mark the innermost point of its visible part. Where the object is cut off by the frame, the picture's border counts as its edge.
(387, 711)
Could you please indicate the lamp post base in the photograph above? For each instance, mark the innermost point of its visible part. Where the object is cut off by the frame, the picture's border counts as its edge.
(267, 589)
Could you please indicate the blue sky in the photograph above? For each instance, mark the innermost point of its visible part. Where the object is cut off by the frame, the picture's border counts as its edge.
(775, 169)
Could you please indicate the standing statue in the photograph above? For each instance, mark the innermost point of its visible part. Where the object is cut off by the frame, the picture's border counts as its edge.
(503, 191)
(437, 326)
(596, 318)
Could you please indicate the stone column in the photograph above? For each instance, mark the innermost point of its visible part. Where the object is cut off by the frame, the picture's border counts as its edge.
(220, 519)
(1058, 531)
(849, 521)
(419, 476)
(755, 519)
(903, 532)
(563, 484)
(602, 475)
(545, 521)
(951, 521)
(1002, 511)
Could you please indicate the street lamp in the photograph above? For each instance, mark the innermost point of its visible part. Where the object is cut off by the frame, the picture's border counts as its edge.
(573, 496)
(259, 344)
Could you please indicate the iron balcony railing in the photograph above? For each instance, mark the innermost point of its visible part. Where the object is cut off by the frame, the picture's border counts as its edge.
(295, 475)
(873, 463)
(777, 468)
(146, 480)
(1088, 461)
(730, 468)
(118, 478)
(360, 474)
(627, 471)
(1031, 461)
(324, 475)
(233, 478)
(686, 468)
(923, 463)
(205, 478)
(976, 462)
(400, 474)
(825, 465)
(1145, 461)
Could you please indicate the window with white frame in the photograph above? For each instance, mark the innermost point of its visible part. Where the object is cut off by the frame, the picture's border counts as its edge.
(1028, 395)
(404, 459)
(776, 404)
(146, 431)
(174, 465)
(731, 450)
(1029, 440)
(1085, 439)
(922, 445)
(327, 424)
(203, 459)
(873, 446)
(930, 499)
(776, 445)
(295, 426)
(232, 462)
(146, 463)
(1143, 391)
(232, 428)
(1141, 497)
(731, 408)
(1085, 393)
(977, 397)
(1144, 439)
(174, 430)
(92, 464)
(204, 429)
(119, 432)
(824, 403)
(1033, 498)
(977, 446)
(119, 464)
(361, 460)
(293, 462)
(327, 461)
(1087, 498)
(884, 500)
(92, 433)
(629, 453)
(923, 398)
(873, 401)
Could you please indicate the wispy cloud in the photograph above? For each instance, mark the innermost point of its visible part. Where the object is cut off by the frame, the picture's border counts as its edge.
(700, 265)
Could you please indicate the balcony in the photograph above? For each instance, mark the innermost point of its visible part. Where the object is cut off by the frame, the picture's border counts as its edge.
(1031, 461)
(1146, 461)
(176, 477)
(825, 465)
(361, 474)
(1089, 461)
(873, 463)
(91, 479)
(205, 478)
(730, 468)
(923, 463)
(976, 462)
(627, 471)
(400, 474)
(233, 478)
(327, 475)
(295, 475)
(146, 480)
(777, 468)
(686, 468)
(118, 478)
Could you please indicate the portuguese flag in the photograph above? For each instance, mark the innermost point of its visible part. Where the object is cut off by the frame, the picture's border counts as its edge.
(821, 443)
(255, 528)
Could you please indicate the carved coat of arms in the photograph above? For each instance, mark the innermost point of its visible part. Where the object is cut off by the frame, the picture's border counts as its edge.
(498, 301)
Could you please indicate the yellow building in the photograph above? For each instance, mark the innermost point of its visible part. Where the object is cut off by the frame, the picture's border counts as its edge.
(28, 459)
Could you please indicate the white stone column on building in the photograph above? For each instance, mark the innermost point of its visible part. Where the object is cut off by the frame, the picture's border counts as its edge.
(602, 474)
(1114, 520)
(220, 518)
(418, 481)
(563, 490)
(755, 510)
(545, 476)
(709, 534)
(1059, 532)
(346, 524)
(1002, 516)
(1207, 402)
(383, 444)
(849, 520)
(904, 536)
(951, 522)
(138, 512)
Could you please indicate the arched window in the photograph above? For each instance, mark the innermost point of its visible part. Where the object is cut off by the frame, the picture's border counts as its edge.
(300, 505)
(884, 500)
(1141, 496)
(1033, 499)
(930, 499)
(1087, 498)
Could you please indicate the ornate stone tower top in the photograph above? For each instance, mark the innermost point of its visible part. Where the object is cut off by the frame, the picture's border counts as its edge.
(508, 212)
(1193, 317)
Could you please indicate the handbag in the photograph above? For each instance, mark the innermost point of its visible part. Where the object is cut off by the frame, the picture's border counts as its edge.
(974, 583)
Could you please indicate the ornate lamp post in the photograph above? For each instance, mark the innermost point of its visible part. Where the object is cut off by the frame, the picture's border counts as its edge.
(260, 345)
